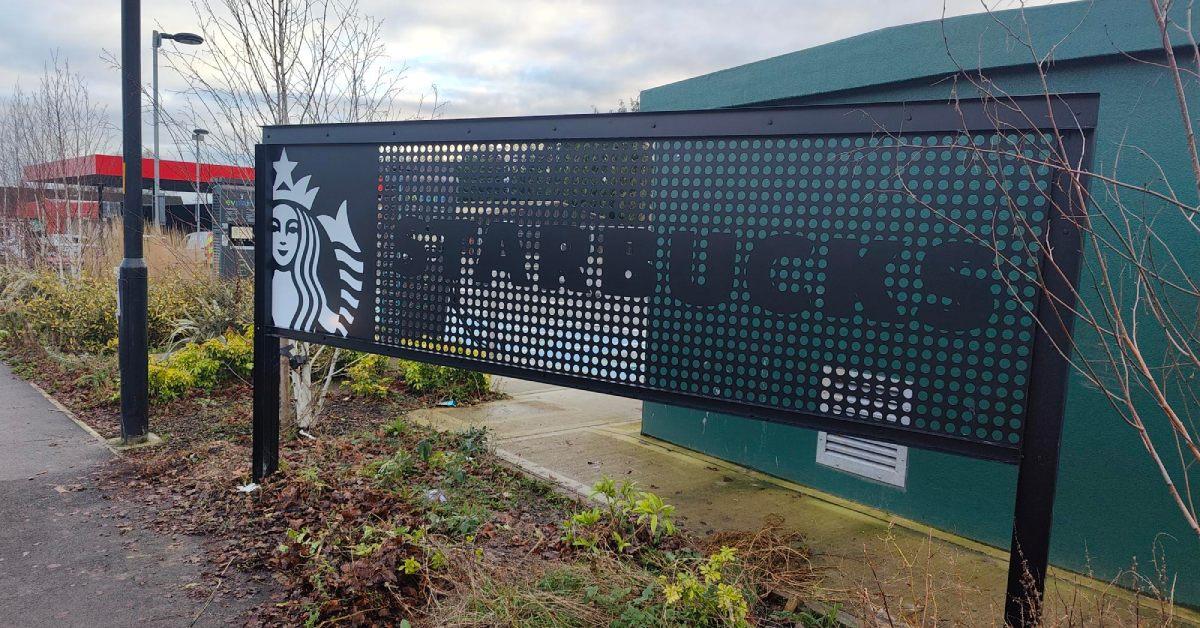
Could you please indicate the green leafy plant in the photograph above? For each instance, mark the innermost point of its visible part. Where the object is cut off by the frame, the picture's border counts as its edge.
(630, 517)
(168, 383)
(393, 471)
(651, 509)
(460, 517)
(234, 351)
(452, 383)
(451, 463)
(583, 529)
(700, 594)
(618, 497)
(194, 359)
(473, 440)
(71, 314)
(368, 376)
(396, 427)
(201, 366)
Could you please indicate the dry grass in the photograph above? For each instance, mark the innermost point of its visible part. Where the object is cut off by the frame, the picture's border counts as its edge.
(924, 591)
(774, 558)
(164, 251)
(540, 593)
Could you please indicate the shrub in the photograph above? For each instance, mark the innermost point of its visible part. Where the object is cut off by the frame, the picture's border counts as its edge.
(368, 376)
(234, 351)
(453, 383)
(193, 359)
(212, 308)
(77, 313)
(167, 303)
(201, 366)
(168, 383)
(72, 315)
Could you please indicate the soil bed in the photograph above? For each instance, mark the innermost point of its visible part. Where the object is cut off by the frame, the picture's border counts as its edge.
(376, 521)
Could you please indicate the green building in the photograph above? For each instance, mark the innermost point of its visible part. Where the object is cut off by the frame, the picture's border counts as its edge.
(1112, 505)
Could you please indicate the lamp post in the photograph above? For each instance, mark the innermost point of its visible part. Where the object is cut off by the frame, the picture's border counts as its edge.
(198, 135)
(132, 275)
(191, 39)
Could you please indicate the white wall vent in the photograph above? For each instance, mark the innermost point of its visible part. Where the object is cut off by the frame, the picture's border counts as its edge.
(865, 395)
(882, 462)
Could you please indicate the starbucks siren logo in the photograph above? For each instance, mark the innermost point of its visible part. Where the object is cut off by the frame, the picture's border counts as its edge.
(303, 243)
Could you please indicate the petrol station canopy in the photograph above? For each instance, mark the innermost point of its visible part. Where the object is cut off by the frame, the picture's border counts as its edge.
(106, 171)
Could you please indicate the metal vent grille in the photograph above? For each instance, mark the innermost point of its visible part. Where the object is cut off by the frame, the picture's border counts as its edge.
(882, 462)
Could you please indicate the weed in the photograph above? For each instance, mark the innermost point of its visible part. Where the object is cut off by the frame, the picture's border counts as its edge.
(458, 517)
(393, 472)
(699, 596)
(651, 509)
(630, 517)
(311, 477)
(583, 529)
(810, 618)
(396, 428)
(473, 440)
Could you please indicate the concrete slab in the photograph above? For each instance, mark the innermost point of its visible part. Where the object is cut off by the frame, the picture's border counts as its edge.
(577, 437)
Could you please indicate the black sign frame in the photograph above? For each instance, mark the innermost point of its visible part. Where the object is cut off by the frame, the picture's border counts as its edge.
(1071, 117)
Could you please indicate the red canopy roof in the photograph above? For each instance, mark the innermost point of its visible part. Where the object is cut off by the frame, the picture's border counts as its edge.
(106, 170)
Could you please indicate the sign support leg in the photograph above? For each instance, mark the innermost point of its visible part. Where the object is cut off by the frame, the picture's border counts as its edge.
(1037, 476)
(266, 344)
(1029, 555)
(266, 404)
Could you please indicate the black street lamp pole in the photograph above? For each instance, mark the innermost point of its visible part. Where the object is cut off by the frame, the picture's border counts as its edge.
(132, 277)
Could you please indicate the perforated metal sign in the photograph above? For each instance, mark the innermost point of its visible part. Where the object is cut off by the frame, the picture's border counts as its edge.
(872, 271)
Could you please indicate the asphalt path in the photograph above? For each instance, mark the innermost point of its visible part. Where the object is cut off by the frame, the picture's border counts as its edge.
(71, 557)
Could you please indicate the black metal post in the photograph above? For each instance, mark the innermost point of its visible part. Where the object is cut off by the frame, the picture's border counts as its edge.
(266, 345)
(100, 216)
(132, 276)
(1037, 477)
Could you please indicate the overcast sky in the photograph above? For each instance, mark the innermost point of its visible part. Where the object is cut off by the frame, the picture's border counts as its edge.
(496, 57)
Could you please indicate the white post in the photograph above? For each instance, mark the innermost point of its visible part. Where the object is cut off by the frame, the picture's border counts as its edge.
(159, 214)
(198, 138)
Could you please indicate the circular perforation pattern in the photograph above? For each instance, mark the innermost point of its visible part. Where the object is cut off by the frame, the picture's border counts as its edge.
(914, 194)
(921, 192)
(596, 185)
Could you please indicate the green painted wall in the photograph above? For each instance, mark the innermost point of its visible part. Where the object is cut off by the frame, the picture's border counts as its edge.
(1112, 507)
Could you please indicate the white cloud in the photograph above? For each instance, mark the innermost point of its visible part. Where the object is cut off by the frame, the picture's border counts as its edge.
(510, 57)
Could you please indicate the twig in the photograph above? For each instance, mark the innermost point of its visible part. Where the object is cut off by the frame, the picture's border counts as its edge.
(211, 596)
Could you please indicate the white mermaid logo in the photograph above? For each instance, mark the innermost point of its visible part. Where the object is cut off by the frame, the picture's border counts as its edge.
(302, 243)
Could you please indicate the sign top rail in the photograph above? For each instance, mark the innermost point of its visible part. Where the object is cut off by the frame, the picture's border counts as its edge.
(1066, 112)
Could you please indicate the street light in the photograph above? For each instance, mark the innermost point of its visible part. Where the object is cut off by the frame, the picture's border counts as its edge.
(132, 276)
(190, 39)
(198, 135)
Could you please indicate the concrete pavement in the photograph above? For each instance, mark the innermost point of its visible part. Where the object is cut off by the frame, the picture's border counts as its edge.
(69, 557)
(574, 437)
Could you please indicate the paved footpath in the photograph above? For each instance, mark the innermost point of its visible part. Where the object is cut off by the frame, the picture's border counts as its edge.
(68, 556)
